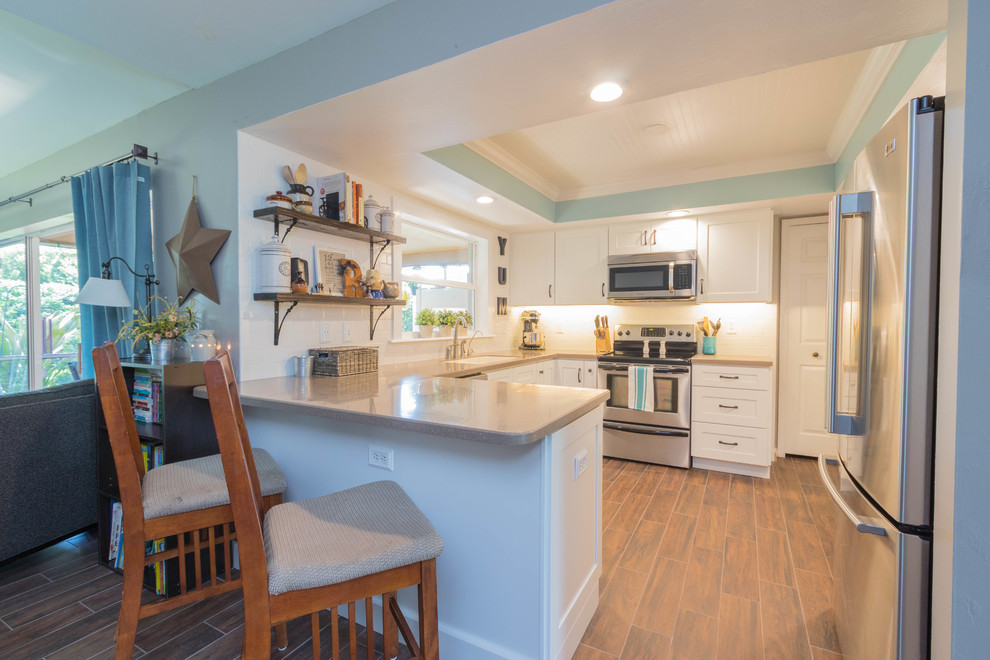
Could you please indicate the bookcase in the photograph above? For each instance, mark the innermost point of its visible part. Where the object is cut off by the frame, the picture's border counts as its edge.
(185, 431)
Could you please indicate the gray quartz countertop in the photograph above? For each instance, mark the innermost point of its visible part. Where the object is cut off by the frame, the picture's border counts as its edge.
(476, 410)
(513, 357)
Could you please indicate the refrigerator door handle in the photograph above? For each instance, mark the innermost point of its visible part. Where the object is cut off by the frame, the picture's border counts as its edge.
(862, 527)
(851, 419)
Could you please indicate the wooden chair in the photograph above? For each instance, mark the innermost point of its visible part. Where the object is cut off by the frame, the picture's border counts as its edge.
(306, 556)
(185, 500)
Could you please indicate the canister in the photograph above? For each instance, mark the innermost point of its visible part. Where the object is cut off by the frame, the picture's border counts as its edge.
(274, 267)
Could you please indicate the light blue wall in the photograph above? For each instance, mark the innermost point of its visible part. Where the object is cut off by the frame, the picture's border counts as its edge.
(195, 133)
(971, 546)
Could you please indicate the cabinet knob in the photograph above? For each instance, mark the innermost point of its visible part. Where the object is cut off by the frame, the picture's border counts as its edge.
(815, 354)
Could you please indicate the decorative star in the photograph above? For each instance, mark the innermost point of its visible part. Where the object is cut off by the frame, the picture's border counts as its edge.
(193, 250)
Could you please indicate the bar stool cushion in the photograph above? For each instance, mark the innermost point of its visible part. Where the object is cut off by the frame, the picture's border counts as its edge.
(199, 483)
(345, 535)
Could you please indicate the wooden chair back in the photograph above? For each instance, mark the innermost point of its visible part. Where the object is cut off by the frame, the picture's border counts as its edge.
(240, 472)
(122, 430)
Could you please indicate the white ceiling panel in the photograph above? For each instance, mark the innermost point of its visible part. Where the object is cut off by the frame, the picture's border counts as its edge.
(778, 120)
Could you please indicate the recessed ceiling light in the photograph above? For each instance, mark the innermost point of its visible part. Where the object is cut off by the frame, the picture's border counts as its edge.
(605, 92)
(484, 199)
(655, 129)
(678, 213)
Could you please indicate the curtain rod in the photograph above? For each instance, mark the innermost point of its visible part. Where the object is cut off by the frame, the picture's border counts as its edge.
(137, 151)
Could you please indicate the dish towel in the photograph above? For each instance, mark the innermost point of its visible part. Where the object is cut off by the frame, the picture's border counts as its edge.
(641, 388)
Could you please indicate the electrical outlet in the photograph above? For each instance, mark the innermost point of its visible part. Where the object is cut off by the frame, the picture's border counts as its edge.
(580, 463)
(380, 458)
(730, 327)
(326, 334)
(347, 329)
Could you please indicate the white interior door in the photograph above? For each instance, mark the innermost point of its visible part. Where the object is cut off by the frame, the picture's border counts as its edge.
(801, 398)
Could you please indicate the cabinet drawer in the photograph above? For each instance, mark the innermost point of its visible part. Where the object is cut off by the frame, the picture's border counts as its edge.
(736, 377)
(722, 405)
(722, 442)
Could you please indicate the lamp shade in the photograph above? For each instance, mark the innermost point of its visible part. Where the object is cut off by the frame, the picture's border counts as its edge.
(105, 293)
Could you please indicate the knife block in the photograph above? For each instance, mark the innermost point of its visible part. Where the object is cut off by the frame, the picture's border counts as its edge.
(603, 343)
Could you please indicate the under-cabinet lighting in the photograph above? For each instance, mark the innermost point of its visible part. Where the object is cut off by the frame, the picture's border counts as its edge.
(678, 213)
(484, 199)
(606, 91)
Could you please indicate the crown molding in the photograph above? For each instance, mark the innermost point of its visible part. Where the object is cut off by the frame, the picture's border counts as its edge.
(875, 72)
(486, 148)
(714, 172)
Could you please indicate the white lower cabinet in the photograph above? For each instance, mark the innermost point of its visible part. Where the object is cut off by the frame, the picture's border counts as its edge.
(731, 410)
(576, 373)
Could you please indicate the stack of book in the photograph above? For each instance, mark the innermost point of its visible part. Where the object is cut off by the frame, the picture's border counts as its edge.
(153, 457)
(146, 396)
(341, 198)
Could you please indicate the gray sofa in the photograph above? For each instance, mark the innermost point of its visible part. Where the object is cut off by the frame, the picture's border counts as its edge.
(47, 465)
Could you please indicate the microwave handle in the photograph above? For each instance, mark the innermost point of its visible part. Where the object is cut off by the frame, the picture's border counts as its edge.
(670, 276)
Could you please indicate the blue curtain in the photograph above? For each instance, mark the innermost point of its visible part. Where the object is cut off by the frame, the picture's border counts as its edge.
(112, 208)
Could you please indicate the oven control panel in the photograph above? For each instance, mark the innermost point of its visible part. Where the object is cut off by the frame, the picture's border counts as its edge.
(670, 332)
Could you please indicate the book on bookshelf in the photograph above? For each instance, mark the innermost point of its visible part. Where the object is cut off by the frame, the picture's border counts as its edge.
(146, 396)
(116, 516)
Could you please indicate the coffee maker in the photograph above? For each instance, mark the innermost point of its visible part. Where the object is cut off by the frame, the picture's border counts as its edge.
(532, 338)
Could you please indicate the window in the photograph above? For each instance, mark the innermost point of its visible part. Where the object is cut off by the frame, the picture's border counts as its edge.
(39, 320)
(438, 273)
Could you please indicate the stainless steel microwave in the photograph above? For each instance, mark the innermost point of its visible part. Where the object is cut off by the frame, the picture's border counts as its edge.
(656, 276)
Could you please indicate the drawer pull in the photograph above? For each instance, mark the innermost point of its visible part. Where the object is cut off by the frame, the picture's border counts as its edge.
(724, 377)
(729, 407)
(731, 444)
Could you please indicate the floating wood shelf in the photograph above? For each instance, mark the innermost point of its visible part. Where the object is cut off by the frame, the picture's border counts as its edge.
(321, 299)
(325, 225)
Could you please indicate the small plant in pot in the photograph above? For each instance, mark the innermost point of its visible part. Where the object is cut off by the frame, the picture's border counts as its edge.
(426, 319)
(161, 331)
(447, 318)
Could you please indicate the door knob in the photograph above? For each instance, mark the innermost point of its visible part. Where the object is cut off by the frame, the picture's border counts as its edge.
(815, 354)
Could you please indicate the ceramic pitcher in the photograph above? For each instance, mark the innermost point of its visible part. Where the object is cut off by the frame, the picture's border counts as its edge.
(202, 345)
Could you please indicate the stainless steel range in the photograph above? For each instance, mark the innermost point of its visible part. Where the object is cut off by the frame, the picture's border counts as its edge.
(661, 433)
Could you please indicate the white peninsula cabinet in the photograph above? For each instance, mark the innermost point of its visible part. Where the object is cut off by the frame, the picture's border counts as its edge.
(735, 257)
(559, 268)
(731, 410)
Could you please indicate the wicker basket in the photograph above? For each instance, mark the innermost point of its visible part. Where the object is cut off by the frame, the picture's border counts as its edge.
(343, 360)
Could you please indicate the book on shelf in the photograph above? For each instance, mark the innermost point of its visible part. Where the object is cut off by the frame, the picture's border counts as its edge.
(146, 396)
(116, 554)
(349, 197)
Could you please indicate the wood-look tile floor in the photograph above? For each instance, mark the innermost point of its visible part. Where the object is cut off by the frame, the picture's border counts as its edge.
(700, 564)
(697, 564)
(59, 603)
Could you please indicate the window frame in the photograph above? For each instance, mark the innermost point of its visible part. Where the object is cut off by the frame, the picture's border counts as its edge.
(479, 261)
(32, 269)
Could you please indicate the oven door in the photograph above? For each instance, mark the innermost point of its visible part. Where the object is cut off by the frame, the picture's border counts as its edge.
(671, 396)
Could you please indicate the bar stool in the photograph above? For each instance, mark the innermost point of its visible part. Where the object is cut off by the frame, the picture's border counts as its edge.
(186, 500)
(306, 556)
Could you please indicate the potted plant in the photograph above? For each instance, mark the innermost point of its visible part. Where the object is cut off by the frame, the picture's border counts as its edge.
(426, 319)
(162, 331)
(447, 318)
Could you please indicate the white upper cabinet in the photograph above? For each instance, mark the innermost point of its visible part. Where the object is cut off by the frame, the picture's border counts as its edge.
(563, 268)
(581, 267)
(531, 268)
(735, 257)
(672, 235)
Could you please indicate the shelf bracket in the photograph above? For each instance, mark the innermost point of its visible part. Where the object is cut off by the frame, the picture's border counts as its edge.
(374, 257)
(374, 321)
(287, 229)
(278, 324)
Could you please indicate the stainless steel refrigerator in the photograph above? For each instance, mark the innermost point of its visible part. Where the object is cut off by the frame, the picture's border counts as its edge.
(880, 373)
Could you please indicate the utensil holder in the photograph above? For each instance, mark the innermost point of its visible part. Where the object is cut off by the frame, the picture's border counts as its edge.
(708, 345)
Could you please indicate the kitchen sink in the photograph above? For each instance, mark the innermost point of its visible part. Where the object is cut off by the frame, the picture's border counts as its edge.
(479, 359)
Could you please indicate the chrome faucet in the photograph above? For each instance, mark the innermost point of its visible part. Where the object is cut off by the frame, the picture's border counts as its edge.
(454, 351)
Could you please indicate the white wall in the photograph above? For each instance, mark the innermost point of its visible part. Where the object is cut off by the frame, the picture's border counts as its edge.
(259, 167)
(571, 326)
